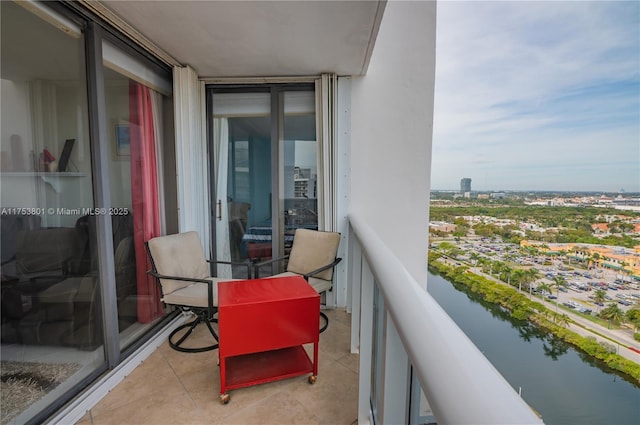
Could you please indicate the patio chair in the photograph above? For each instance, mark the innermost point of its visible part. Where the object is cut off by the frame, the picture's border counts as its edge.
(179, 264)
(313, 256)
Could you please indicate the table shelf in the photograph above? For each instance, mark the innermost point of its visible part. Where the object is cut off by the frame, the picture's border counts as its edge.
(266, 366)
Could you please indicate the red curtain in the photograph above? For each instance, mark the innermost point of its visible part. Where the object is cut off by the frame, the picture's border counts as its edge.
(144, 196)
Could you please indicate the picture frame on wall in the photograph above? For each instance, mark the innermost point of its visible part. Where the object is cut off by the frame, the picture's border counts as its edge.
(122, 141)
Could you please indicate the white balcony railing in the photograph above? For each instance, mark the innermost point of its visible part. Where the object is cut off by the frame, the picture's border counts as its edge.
(460, 384)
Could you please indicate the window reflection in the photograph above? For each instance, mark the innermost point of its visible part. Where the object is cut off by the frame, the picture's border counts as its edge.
(52, 311)
(51, 325)
(135, 113)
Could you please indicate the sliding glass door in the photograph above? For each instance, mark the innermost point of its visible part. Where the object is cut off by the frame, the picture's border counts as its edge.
(77, 203)
(51, 331)
(264, 169)
(134, 108)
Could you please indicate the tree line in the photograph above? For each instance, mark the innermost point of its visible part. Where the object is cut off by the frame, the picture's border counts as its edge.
(564, 224)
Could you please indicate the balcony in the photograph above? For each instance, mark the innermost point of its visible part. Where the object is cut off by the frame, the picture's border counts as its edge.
(174, 387)
(403, 338)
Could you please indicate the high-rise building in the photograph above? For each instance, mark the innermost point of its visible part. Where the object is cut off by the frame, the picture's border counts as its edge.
(465, 185)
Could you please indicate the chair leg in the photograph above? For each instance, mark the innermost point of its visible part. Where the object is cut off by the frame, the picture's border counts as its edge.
(191, 326)
(326, 322)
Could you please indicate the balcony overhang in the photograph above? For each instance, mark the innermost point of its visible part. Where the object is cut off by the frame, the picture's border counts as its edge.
(259, 38)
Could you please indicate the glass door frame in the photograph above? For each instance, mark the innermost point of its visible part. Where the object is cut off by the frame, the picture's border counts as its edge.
(276, 91)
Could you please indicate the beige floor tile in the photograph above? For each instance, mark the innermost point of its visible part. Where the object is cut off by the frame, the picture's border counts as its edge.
(151, 377)
(172, 387)
(159, 409)
(333, 399)
(280, 408)
(351, 361)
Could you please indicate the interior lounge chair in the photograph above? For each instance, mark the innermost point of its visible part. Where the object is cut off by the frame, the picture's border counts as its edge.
(179, 264)
(63, 307)
(313, 256)
(68, 312)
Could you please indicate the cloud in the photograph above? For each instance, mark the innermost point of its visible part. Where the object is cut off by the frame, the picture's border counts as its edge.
(533, 83)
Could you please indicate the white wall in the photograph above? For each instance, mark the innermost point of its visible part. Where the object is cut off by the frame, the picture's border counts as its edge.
(391, 132)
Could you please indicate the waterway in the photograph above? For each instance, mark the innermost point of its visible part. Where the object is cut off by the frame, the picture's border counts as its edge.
(564, 385)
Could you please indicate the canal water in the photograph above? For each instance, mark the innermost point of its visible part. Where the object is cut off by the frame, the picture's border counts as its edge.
(565, 386)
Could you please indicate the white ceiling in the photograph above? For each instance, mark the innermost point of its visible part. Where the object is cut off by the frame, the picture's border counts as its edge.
(259, 38)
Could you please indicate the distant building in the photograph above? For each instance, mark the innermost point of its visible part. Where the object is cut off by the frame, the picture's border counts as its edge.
(465, 185)
(442, 226)
(304, 183)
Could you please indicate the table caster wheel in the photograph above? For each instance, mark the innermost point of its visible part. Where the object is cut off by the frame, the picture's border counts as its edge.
(312, 379)
(224, 398)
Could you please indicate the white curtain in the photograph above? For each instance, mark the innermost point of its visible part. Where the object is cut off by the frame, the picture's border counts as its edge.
(326, 95)
(194, 209)
(223, 246)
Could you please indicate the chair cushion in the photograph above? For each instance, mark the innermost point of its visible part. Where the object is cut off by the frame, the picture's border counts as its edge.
(320, 285)
(195, 295)
(178, 255)
(311, 250)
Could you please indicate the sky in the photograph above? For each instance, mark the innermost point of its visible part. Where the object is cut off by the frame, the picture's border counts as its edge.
(537, 95)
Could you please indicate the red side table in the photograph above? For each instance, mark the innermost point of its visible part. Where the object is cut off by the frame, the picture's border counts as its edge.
(262, 326)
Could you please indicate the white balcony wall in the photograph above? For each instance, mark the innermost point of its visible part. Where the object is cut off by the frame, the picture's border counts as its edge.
(391, 132)
(391, 135)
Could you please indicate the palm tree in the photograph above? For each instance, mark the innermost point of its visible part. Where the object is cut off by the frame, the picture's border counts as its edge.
(561, 319)
(612, 313)
(599, 296)
(558, 282)
(505, 273)
(633, 316)
(518, 277)
(544, 287)
(484, 264)
(530, 276)
(496, 267)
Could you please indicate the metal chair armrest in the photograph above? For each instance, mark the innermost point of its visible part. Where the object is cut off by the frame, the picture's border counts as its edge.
(256, 266)
(185, 279)
(248, 264)
(323, 268)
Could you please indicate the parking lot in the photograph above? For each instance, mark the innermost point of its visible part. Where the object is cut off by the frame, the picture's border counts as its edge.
(579, 294)
(581, 283)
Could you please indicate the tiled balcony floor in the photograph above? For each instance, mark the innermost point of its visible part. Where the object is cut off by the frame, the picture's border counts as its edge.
(171, 387)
